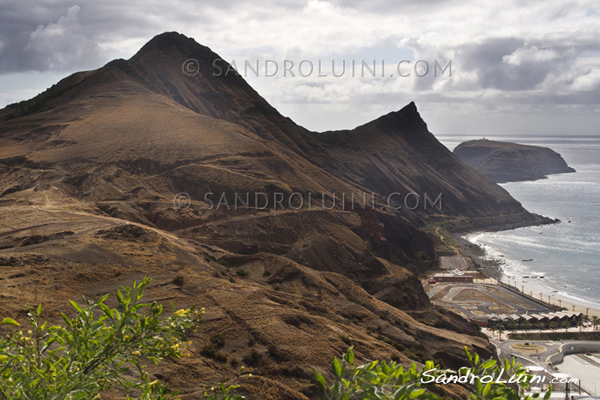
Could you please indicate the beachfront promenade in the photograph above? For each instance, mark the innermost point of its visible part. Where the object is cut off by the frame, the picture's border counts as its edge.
(488, 302)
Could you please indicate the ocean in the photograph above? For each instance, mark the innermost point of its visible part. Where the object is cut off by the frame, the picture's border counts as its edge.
(559, 261)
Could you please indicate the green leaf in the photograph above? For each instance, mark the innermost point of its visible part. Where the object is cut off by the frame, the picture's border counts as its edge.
(39, 309)
(47, 344)
(469, 357)
(10, 321)
(67, 320)
(350, 355)
(488, 364)
(320, 380)
(336, 368)
(76, 306)
(416, 394)
(486, 389)
(120, 297)
(386, 368)
(107, 310)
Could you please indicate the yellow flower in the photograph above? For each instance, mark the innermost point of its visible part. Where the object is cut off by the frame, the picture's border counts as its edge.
(181, 312)
(136, 353)
(153, 382)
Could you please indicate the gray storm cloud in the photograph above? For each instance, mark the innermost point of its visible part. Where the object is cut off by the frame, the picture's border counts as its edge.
(62, 45)
(545, 57)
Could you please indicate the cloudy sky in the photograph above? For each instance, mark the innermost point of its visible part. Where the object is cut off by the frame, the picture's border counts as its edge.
(515, 68)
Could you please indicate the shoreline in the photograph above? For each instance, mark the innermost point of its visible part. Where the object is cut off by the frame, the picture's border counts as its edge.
(492, 266)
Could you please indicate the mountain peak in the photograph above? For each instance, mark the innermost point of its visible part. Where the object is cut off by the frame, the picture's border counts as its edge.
(168, 42)
(170, 37)
(410, 107)
(408, 111)
(406, 116)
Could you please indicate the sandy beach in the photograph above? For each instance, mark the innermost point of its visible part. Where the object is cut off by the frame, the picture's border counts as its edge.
(566, 301)
(537, 288)
(534, 287)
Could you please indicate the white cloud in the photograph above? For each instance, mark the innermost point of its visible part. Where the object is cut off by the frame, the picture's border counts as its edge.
(529, 54)
(63, 45)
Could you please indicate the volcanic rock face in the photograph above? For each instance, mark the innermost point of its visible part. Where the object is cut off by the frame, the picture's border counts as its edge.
(89, 171)
(510, 162)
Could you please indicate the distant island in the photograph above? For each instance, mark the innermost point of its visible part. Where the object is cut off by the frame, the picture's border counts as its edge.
(511, 162)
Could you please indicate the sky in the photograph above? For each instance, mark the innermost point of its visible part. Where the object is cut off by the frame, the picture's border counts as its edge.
(484, 67)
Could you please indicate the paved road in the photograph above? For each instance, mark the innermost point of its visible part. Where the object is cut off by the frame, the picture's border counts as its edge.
(538, 359)
(505, 351)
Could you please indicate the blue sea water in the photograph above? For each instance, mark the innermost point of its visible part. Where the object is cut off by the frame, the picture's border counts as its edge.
(567, 254)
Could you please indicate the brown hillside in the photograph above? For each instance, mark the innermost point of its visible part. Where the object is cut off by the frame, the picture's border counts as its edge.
(89, 170)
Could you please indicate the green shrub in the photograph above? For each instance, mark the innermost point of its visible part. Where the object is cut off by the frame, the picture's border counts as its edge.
(211, 350)
(102, 348)
(252, 359)
(222, 393)
(178, 280)
(218, 340)
(97, 349)
(379, 380)
(275, 353)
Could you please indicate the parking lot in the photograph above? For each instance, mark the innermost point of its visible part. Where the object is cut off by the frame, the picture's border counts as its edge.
(477, 301)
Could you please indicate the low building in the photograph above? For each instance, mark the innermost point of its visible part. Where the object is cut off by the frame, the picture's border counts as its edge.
(450, 277)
